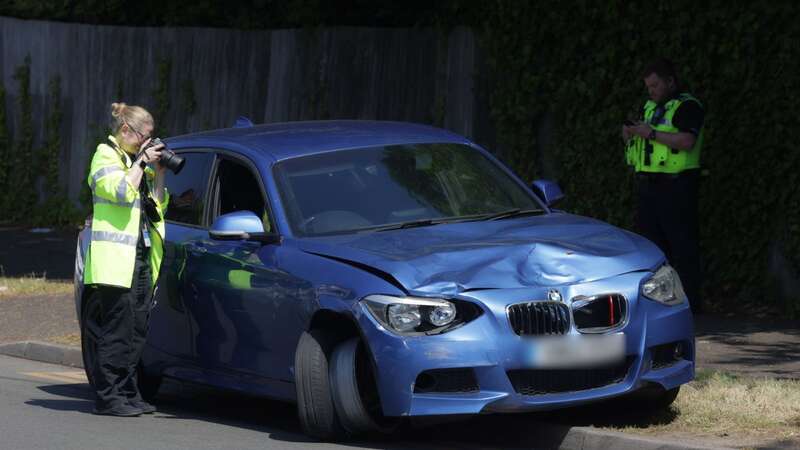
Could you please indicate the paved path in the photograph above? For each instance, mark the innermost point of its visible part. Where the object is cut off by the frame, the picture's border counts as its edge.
(749, 347)
(40, 318)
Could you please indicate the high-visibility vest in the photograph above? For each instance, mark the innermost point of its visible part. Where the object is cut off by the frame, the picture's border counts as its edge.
(116, 220)
(651, 156)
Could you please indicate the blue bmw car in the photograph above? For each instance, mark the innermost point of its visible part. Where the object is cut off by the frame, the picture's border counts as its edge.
(370, 271)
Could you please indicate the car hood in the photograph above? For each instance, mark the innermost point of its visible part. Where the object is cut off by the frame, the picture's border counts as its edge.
(548, 250)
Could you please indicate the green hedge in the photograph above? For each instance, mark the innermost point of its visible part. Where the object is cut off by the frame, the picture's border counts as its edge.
(578, 63)
(22, 165)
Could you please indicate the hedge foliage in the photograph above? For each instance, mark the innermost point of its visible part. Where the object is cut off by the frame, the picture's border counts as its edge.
(242, 14)
(30, 190)
(578, 64)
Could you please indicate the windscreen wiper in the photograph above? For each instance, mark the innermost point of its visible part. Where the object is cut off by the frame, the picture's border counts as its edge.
(515, 212)
(410, 224)
(429, 222)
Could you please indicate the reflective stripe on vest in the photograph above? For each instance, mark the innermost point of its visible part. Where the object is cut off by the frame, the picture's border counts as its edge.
(122, 188)
(135, 204)
(112, 236)
(101, 173)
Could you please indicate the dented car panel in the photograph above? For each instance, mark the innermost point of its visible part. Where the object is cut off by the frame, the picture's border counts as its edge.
(551, 250)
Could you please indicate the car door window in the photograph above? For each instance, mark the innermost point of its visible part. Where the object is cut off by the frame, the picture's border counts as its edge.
(188, 189)
(238, 189)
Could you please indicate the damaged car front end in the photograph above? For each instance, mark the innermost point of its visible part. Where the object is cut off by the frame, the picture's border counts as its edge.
(527, 324)
(504, 305)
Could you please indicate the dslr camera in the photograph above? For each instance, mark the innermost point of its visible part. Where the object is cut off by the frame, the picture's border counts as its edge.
(172, 162)
(169, 159)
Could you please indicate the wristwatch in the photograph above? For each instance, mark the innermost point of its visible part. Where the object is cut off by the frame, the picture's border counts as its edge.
(142, 164)
(652, 135)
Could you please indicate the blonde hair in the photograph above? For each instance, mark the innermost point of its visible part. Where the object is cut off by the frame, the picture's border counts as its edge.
(135, 117)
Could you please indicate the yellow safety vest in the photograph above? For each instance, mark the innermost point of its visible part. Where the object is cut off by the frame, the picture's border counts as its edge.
(116, 220)
(663, 159)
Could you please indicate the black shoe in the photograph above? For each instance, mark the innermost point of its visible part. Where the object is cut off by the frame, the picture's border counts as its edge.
(119, 410)
(142, 405)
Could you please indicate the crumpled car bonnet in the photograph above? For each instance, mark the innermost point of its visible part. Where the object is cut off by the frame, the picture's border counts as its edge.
(549, 250)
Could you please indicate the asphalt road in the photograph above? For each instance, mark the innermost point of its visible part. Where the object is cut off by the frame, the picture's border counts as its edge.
(49, 407)
(46, 406)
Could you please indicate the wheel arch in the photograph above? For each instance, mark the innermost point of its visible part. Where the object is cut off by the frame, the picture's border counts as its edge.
(343, 326)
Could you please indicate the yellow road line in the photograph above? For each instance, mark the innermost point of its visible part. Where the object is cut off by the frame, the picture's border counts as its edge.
(72, 377)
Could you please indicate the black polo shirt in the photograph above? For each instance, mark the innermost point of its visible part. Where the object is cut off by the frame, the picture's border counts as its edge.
(689, 117)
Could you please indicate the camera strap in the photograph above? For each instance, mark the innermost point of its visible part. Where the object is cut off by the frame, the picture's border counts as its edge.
(120, 152)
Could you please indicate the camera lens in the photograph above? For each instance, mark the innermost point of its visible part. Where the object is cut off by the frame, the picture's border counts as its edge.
(169, 159)
(172, 161)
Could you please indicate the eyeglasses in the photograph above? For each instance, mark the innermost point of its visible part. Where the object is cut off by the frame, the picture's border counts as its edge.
(142, 137)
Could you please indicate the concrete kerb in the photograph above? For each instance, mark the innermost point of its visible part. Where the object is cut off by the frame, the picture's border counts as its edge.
(64, 355)
(571, 438)
(541, 435)
(586, 438)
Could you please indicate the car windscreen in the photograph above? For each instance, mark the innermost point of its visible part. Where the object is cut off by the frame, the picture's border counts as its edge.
(370, 188)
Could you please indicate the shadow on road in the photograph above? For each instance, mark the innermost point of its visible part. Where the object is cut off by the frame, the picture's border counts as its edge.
(83, 399)
(63, 405)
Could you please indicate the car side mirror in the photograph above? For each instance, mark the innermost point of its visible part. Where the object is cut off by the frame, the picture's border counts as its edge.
(241, 225)
(548, 191)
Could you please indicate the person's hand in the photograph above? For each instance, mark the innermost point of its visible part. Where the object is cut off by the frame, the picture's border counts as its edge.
(641, 129)
(626, 133)
(151, 154)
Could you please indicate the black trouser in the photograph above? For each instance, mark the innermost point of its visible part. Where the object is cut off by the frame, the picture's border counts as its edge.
(668, 217)
(122, 329)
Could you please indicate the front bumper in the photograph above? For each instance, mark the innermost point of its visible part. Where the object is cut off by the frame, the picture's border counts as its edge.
(490, 349)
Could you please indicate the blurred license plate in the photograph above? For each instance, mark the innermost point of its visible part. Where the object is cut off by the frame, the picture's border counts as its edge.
(578, 351)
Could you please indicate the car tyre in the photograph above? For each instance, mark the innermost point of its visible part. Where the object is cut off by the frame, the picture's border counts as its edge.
(355, 392)
(666, 398)
(654, 399)
(315, 406)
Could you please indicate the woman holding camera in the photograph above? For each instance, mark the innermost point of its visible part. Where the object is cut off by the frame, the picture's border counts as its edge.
(124, 257)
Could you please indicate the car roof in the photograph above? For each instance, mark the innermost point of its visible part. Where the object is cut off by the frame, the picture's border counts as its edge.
(290, 139)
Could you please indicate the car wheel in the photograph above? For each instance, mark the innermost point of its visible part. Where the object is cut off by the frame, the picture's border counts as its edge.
(314, 400)
(666, 398)
(89, 317)
(653, 398)
(355, 392)
(148, 384)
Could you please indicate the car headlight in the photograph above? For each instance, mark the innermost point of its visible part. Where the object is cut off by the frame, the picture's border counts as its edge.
(664, 286)
(412, 315)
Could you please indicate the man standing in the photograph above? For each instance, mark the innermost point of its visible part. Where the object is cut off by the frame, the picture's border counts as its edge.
(664, 149)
